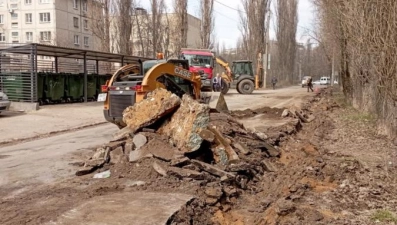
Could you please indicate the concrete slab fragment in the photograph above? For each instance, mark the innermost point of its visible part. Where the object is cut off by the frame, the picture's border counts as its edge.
(143, 208)
(158, 104)
(186, 124)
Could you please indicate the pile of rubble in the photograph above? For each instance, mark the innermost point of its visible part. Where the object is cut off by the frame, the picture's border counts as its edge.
(185, 141)
(202, 142)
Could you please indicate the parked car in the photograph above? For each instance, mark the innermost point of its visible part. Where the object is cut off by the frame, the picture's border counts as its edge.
(325, 80)
(304, 80)
(4, 102)
(317, 82)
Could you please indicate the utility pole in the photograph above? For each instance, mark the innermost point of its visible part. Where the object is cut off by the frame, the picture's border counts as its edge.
(333, 68)
(300, 70)
(266, 58)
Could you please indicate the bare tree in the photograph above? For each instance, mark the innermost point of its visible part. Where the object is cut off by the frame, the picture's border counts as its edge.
(124, 10)
(287, 22)
(364, 39)
(99, 12)
(180, 39)
(207, 23)
(253, 27)
(157, 28)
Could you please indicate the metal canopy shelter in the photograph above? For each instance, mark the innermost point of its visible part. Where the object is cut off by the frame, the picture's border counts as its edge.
(35, 49)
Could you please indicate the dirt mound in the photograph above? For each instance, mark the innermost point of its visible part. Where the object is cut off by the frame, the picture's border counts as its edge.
(269, 112)
(189, 150)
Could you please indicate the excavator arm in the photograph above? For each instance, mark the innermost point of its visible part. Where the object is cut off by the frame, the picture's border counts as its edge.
(172, 76)
(222, 62)
(161, 74)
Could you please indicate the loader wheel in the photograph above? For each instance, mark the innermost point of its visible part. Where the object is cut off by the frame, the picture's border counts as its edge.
(225, 87)
(245, 87)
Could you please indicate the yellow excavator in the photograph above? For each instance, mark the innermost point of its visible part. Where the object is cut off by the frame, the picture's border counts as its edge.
(241, 75)
(131, 83)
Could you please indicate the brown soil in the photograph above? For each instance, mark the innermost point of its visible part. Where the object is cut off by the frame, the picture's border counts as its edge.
(267, 111)
(334, 170)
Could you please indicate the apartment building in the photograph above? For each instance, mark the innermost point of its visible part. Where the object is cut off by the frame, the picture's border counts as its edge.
(57, 22)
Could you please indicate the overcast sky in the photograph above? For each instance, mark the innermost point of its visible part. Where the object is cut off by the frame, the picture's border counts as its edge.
(227, 18)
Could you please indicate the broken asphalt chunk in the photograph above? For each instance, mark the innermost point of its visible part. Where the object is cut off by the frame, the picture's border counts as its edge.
(139, 140)
(207, 135)
(268, 166)
(117, 155)
(186, 124)
(241, 147)
(122, 134)
(231, 154)
(185, 173)
(180, 161)
(158, 104)
(212, 169)
(139, 154)
(159, 169)
(115, 144)
(85, 170)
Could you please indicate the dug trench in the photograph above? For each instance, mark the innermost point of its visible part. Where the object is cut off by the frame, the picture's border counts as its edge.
(235, 175)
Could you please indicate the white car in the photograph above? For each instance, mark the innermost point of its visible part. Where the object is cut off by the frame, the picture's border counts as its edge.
(317, 82)
(4, 102)
(325, 80)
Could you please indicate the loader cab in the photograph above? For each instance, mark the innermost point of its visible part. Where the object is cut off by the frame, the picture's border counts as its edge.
(242, 68)
(243, 76)
(147, 65)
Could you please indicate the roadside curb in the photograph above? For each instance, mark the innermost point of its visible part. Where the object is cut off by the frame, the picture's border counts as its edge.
(49, 134)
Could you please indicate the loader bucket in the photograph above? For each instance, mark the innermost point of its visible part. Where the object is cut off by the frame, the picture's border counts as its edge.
(215, 100)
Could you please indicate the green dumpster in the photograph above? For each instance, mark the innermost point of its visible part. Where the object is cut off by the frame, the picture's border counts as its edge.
(74, 87)
(102, 81)
(40, 87)
(13, 86)
(91, 86)
(55, 87)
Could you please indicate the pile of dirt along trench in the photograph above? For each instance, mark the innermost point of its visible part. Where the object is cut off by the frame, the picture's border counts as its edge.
(237, 175)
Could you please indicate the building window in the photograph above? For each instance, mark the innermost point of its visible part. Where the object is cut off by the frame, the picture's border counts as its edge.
(1, 19)
(44, 1)
(28, 2)
(29, 36)
(75, 4)
(14, 6)
(14, 34)
(45, 17)
(85, 7)
(76, 39)
(28, 17)
(76, 22)
(86, 41)
(2, 37)
(85, 24)
(45, 36)
(14, 25)
(14, 16)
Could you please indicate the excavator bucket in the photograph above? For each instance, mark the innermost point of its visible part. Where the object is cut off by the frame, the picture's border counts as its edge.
(215, 100)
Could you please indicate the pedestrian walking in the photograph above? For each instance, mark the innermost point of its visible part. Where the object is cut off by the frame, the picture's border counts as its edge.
(274, 81)
(309, 84)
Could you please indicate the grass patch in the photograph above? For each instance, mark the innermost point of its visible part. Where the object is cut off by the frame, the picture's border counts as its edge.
(341, 100)
(360, 117)
(384, 216)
